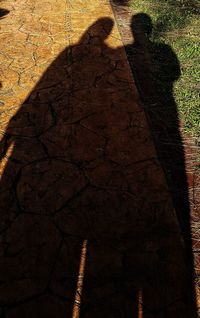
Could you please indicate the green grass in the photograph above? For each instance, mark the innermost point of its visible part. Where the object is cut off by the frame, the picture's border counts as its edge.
(176, 24)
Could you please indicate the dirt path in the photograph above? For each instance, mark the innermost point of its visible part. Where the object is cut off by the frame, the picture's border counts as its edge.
(78, 164)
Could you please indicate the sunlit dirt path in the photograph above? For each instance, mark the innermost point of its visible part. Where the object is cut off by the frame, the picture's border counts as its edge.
(88, 228)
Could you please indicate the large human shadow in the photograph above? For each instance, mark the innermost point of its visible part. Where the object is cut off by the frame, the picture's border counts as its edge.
(79, 164)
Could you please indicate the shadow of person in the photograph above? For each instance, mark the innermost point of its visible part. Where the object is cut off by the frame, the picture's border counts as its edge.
(79, 164)
(45, 150)
(156, 67)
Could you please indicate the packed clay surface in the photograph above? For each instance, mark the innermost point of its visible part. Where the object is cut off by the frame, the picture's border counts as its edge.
(78, 164)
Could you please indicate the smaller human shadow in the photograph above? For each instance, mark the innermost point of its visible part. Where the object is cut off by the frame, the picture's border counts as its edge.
(156, 67)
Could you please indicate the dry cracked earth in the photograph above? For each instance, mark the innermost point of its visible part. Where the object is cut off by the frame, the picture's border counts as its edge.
(78, 163)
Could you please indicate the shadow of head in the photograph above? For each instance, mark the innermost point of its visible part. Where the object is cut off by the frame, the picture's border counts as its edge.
(3, 13)
(120, 2)
(98, 31)
(141, 24)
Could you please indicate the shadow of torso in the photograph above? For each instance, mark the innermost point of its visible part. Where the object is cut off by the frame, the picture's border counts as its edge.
(156, 68)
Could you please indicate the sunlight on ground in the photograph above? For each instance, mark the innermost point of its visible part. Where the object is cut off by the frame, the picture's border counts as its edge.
(80, 281)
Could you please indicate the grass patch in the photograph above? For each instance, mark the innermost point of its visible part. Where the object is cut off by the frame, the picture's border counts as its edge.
(176, 24)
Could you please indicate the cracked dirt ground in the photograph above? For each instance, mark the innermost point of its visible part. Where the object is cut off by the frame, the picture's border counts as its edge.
(78, 163)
